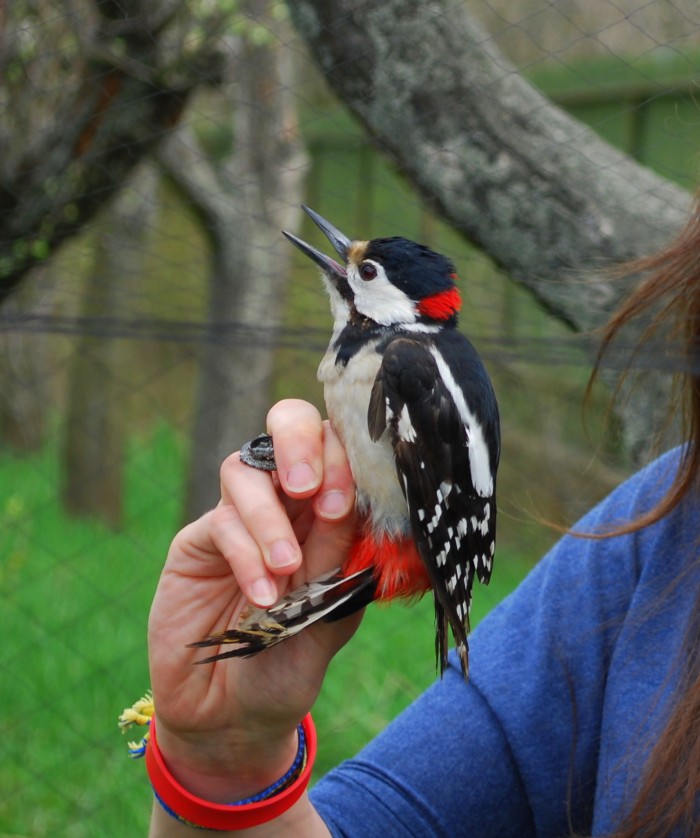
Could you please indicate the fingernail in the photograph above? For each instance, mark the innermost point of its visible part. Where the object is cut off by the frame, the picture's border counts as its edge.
(333, 504)
(263, 592)
(301, 477)
(282, 554)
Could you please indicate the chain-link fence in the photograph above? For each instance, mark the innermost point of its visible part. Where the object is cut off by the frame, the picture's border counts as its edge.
(150, 159)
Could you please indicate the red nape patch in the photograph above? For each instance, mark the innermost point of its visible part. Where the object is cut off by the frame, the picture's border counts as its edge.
(441, 306)
(398, 567)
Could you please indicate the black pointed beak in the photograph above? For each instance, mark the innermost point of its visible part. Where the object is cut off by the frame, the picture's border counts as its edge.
(341, 244)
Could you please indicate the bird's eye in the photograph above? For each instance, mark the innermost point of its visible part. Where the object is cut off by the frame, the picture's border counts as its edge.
(367, 271)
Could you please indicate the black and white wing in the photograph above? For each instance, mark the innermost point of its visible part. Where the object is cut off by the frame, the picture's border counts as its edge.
(435, 398)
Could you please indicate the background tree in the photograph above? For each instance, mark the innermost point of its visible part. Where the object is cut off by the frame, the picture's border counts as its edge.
(545, 197)
(95, 431)
(85, 111)
(245, 200)
(134, 71)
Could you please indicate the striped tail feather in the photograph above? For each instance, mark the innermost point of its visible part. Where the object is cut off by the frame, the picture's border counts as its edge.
(329, 597)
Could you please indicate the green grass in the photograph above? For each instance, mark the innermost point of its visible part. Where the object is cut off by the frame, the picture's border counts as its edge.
(75, 604)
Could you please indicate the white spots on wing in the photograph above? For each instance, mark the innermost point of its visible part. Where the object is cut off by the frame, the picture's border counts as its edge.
(479, 460)
(433, 522)
(484, 526)
(478, 526)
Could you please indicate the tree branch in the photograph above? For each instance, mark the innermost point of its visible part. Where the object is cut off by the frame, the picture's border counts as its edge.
(126, 86)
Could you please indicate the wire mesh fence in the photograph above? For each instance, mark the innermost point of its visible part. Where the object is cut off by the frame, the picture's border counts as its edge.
(163, 312)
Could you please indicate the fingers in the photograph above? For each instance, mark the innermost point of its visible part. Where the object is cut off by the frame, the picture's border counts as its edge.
(235, 543)
(253, 532)
(336, 496)
(297, 431)
(310, 459)
(335, 499)
(257, 528)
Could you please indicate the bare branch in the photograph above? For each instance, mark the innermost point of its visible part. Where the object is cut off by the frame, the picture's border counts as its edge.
(117, 85)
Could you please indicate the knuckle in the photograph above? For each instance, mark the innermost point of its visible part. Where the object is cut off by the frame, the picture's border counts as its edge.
(224, 526)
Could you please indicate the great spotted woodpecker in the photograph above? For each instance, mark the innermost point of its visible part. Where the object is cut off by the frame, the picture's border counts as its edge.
(414, 407)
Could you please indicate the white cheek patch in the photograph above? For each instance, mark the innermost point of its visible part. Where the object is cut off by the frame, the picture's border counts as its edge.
(379, 300)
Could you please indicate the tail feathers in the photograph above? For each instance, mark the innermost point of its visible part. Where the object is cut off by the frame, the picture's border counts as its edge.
(319, 599)
(459, 632)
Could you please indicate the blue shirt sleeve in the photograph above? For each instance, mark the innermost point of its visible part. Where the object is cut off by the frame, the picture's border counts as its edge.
(517, 750)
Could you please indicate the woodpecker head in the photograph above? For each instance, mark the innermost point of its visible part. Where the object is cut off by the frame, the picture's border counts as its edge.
(389, 281)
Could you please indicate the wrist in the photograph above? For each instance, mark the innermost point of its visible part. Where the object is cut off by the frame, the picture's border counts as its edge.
(261, 808)
(223, 769)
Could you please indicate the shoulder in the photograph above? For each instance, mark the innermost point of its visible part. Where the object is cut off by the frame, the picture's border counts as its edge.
(636, 495)
(592, 557)
(590, 583)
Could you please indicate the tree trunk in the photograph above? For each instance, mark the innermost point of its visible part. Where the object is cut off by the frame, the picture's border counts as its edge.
(95, 432)
(246, 205)
(543, 195)
(24, 385)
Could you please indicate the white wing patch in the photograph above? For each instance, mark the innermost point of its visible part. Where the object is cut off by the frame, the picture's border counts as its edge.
(479, 461)
(407, 433)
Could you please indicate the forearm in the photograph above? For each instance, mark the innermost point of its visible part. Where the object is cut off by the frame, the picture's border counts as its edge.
(301, 820)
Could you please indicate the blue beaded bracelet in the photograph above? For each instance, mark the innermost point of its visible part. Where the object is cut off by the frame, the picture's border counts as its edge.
(295, 771)
(297, 766)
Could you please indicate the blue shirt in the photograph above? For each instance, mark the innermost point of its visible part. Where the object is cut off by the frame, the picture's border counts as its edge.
(570, 679)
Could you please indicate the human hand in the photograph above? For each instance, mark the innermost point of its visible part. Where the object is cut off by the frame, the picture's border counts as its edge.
(228, 729)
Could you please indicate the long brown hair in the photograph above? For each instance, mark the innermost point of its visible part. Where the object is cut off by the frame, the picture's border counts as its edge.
(669, 299)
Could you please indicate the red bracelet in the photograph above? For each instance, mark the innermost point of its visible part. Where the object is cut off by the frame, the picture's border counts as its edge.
(197, 812)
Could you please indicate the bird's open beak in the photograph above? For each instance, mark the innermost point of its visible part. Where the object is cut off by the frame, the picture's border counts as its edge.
(341, 244)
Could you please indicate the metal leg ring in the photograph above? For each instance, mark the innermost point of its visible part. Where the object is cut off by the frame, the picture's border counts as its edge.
(259, 453)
